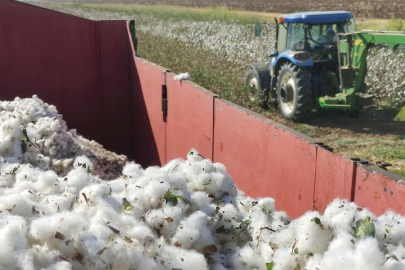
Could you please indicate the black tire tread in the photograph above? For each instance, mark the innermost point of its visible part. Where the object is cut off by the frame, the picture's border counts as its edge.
(304, 106)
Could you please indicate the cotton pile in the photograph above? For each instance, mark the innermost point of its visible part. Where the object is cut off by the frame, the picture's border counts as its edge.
(187, 214)
(32, 131)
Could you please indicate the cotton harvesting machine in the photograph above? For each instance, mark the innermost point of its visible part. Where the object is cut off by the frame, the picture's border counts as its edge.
(319, 61)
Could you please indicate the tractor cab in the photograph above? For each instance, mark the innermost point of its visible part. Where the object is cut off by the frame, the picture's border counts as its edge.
(310, 39)
(304, 65)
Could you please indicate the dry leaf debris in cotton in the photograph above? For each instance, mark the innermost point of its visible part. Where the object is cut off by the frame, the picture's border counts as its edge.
(187, 214)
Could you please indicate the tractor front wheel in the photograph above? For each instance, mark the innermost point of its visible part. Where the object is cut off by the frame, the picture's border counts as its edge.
(294, 92)
(253, 91)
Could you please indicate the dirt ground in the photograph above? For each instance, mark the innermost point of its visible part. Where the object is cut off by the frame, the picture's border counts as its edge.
(373, 135)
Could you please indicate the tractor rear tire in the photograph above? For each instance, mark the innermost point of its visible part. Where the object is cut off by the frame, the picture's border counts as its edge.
(253, 91)
(294, 92)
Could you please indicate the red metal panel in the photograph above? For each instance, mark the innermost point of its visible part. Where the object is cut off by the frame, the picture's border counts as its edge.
(148, 126)
(334, 178)
(116, 91)
(190, 119)
(55, 56)
(379, 190)
(265, 158)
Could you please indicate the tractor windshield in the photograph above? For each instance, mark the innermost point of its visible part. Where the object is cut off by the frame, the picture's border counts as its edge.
(306, 37)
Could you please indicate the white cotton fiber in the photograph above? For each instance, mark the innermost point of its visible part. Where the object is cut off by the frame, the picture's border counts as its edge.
(182, 76)
(57, 213)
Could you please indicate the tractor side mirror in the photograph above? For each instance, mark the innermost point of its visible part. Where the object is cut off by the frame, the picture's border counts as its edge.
(258, 30)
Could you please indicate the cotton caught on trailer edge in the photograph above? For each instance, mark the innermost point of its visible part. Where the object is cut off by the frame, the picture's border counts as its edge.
(61, 209)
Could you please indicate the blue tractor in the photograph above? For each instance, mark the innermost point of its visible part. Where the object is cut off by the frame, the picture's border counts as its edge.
(304, 67)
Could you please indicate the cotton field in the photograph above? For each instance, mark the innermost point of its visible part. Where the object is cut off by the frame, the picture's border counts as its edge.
(187, 214)
(238, 45)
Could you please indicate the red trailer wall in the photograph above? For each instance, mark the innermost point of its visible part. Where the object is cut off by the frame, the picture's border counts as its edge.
(190, 119)
(334, 178)
(265, 158)
(80, 66)
(56, 56)
(379, 190)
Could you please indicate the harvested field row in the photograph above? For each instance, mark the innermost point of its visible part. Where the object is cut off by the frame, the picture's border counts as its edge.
(362, 8)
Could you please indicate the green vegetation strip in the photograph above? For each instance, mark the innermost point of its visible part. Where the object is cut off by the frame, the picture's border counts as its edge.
(395, 152)
(205, 68)
(179, 13)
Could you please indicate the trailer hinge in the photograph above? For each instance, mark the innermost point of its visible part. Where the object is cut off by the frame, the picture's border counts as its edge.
(133, 36)
(361, 161)
(164, 102)
(324, 146)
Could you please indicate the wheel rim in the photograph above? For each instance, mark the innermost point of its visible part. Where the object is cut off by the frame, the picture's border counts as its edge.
(287, 93)
(253, 89)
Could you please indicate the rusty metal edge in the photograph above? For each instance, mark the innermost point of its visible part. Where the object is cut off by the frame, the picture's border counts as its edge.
(374, 169)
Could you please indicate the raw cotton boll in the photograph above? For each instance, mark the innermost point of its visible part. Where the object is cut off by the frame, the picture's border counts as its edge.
(16, 205)
(390, 228)
(246, 258)
(177, 180)
(83, 163)
(285, 259)
(280, 220)
(343, 241)
(365, 255)
(156, 173)
(95, 192)
(200, 200)
(182, 258)
(58, 203)
(70, 225)
(26, 174)
(284, 239)
(243, 203)
(228, 212)
(313, 262)
(266, 252)
(8, 174)
(99, 229)
(194, 232)
(368, 254)
(166, 221)
(133, 170)
(27, 191)
(77, 179)
(10, 140)
(13, 239)
(399, 251)
(47, 181)
(172, 165)
(341, 213)
(43, 255)
(156, 189)
(206, 165)
(268, 204)
(59, 266)
(139, 232)
(312, 233)
(182, 76)
(393, 264)
(220, 168)
(194, 156)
